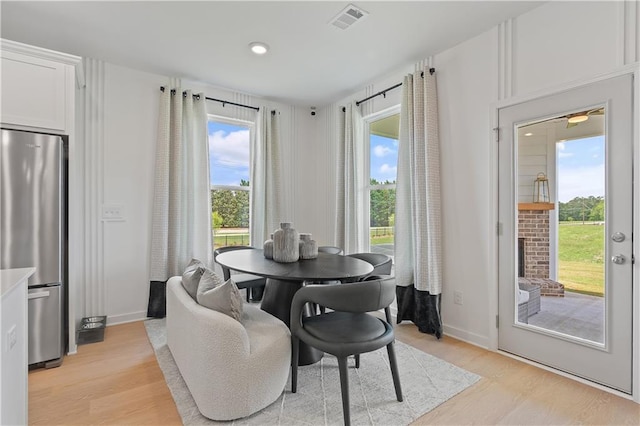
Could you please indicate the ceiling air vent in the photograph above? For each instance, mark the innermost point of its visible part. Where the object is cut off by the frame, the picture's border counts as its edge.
(349, 16)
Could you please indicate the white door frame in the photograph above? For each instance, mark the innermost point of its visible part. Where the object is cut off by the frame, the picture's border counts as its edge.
(493, 244)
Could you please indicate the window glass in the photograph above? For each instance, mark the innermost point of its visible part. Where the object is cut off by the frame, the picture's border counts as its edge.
(383, 166)
(229, 155)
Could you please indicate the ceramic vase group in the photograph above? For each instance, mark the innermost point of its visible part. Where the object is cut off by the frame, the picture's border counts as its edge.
(286, 245)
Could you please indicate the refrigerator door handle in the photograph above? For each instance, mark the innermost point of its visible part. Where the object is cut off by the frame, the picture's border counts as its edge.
(39, 295)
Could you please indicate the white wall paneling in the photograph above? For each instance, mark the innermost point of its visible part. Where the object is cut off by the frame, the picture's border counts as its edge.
(290, 144)
(631, 36)
(327, 125)
(505, 58)
(93, 138)
(560, 42)
(131, 105)
(467, 78)
(311, 173)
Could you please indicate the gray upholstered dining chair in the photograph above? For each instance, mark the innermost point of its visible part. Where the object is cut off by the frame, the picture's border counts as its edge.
(330, 250)
(381, 262)
(254, 284)
(348, 330)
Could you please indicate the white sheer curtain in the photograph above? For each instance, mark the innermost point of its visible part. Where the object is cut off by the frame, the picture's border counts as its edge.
(350, 182)
(267, 200)
(181, 221)
(418, 243)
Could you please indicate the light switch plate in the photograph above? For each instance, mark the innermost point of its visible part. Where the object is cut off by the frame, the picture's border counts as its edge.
(458, 298)
(113, 212)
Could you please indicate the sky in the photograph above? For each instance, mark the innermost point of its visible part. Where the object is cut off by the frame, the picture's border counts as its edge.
(580, 168)
(384, 158)
(580, 161)
(228, 153)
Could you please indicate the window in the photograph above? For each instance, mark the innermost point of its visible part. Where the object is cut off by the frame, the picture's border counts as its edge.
(383, 165)
(229, 150)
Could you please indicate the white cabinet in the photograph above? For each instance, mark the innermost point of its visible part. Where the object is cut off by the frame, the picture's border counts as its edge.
(13, 345)
(33, 91)
(38, 87)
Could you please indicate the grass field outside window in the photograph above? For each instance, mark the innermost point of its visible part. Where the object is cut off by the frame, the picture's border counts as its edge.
(581, 257)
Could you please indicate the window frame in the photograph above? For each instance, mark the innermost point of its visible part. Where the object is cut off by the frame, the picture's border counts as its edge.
(368, 120)
(236, 122)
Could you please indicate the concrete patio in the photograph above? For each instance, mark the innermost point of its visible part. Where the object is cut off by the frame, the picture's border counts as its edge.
(574, 314)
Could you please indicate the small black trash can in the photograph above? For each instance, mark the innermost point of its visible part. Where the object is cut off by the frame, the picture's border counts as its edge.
(92, 329)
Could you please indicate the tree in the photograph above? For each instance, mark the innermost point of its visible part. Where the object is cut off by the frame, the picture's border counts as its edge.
(597, 212)
(581, 208)
(216, 220)
(232, 206)
(223, 201)
(383, 204)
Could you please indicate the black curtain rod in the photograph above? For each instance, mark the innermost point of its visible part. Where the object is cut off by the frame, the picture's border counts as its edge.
(384, 92)
(223, 102)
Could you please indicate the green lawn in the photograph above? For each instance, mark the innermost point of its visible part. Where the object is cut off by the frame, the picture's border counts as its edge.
(230, 237)
(581, 257)
(382, 240)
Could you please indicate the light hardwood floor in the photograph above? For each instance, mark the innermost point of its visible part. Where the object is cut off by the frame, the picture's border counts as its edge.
(118, 381)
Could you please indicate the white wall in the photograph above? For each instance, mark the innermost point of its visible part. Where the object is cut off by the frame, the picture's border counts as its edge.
(550, 46)
(530, 53)
(130, 117)
(467, 83)
(119, 113)
(520, 57)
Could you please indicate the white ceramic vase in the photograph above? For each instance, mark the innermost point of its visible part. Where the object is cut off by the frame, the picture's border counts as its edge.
(286, 248)
(268, 248)
(308, 247)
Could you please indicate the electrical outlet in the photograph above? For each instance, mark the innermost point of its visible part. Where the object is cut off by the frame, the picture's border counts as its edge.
(11, 337)
(113, 212)
(457, 297)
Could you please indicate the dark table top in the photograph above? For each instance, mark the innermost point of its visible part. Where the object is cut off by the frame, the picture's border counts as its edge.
(325, 267)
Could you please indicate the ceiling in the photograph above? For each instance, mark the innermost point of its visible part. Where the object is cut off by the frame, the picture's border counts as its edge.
(389, 127)
(310, 61)
(593, 126)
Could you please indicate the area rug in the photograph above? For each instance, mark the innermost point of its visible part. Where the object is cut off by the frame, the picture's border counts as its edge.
(426, 383)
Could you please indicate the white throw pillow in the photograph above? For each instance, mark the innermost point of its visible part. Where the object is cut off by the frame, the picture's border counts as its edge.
(220, 296)
(191, 277)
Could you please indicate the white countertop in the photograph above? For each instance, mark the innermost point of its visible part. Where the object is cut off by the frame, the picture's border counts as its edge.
(11, 277)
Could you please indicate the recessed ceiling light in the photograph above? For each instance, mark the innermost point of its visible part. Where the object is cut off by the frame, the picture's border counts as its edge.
(258, 47)
(528, 134)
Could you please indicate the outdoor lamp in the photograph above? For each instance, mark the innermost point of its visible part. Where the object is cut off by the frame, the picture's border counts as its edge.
(541, 189)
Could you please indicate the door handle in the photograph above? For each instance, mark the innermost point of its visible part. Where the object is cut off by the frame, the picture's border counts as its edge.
(618, 237)
(39, 294)
(618, 259)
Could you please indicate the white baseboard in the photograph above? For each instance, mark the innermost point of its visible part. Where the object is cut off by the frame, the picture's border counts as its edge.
(466, 336)
(124, 318)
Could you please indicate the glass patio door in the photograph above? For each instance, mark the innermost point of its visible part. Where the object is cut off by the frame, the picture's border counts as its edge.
(565, 191)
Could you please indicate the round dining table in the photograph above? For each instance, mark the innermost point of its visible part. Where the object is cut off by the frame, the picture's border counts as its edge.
(285, 279)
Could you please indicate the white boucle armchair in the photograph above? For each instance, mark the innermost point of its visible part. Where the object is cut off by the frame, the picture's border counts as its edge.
(232, 369)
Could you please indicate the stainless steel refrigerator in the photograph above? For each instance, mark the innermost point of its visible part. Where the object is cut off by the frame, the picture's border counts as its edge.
(33, 233)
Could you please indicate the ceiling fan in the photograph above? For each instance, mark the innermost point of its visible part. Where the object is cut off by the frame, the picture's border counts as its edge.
(579, 117)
